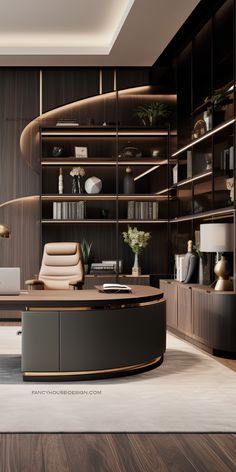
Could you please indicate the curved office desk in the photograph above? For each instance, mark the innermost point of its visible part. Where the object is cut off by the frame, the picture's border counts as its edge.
(86, 334)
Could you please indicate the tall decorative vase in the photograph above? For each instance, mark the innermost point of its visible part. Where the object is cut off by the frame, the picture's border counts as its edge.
(128, 182)
(136, 269)
(75, 184)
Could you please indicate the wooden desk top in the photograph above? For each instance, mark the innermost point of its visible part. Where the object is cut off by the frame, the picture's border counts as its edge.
(77, 298)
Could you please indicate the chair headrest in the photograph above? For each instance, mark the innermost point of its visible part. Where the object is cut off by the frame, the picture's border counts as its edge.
(61, 248)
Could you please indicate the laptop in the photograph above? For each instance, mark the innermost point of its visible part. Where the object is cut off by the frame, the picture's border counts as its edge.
(9, 281)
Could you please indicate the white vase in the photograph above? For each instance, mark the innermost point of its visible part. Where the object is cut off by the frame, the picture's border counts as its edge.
(136, 269)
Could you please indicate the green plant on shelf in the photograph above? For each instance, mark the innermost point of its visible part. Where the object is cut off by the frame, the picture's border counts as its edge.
(153, 113)
(221, 97)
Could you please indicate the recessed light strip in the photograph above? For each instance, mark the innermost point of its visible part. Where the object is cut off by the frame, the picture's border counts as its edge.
(186, 181)
(228, 123)
(20, 199)
(202, 216)
(146, 172)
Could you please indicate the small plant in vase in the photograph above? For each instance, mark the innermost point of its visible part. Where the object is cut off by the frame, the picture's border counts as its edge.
(216, 104)
(137, 241)
(78, 174)
(86, 248)
(154, 113)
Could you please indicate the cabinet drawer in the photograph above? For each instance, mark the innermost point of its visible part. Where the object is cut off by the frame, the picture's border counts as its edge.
(170, 293)
(202, 308)
(185, 309)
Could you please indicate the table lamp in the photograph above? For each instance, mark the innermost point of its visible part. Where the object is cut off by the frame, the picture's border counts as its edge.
(4, 231)
(219, 238)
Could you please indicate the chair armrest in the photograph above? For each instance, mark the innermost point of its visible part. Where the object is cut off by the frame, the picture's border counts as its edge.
(34, 284)
(76, 284)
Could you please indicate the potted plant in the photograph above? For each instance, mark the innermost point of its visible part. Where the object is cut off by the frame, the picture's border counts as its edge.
(137, 240)
(86, 253)
(216, 104)
(153, 113)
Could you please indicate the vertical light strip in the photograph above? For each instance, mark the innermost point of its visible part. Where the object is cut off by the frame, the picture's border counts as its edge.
(100, 82)
(114, 81)
(40, 92)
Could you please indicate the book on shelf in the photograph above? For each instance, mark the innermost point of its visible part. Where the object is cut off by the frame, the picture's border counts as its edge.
(68, 123)
(69, 210)
(101, 268)
(142, 210)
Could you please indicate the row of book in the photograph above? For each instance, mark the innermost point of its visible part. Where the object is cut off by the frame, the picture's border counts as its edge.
(142, 210)
(69, 210)
(106, 267)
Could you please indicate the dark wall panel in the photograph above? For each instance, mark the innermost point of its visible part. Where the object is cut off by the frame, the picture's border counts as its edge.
(19, 104)
(66, 85)
(132, 77)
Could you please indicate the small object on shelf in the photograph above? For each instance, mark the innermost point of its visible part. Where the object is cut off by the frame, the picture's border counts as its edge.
(114, 264)
(208, 159)
(93, 185)
(67, 123)
(57, 151)
(60, 182)
(130, 152)
(81, 152)
(189, 164)
(137, 240)
(179, 267)
(207, 117)
(104, 213)
(199, 129)
(128, 182)
(100, 268)
(155, 152)
(175, 174)
(230, 187)
(190, 265)
(77, 173)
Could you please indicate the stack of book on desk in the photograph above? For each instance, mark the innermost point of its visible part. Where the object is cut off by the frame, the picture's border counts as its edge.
(142, 210)
(105, 267)
(69, 210)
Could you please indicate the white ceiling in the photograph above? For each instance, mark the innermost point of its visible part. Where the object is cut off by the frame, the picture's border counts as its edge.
(88, 32)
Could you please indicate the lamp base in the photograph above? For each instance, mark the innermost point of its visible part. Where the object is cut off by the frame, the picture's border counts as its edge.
(224, 285)
(222, 270)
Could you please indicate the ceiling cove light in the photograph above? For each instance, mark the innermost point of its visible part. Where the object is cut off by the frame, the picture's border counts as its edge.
(85, 27)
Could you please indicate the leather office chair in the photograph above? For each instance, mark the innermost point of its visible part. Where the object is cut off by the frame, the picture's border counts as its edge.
(62, 268)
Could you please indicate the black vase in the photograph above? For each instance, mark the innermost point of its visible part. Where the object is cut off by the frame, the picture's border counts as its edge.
(128, 183)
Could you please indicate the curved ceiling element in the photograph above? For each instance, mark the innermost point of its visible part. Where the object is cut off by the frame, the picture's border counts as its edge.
(88, 32)
(59, 27)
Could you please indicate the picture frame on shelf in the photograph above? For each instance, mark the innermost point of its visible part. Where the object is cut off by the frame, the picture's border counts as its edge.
(81, 152)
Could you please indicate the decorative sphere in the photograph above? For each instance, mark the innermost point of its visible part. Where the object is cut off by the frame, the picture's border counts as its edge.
(93, 185)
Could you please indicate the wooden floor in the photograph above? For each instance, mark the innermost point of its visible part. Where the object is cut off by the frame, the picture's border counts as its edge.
(117, 452)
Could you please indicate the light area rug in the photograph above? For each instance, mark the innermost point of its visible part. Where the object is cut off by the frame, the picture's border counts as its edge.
(189, 392)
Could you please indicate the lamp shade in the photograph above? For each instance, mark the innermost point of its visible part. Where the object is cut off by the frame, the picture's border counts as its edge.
(217, 237)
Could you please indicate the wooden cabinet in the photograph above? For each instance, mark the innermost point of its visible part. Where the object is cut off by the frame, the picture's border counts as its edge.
(170, 293)
(202, 315)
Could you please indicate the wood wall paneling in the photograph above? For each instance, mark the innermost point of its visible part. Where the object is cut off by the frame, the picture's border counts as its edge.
(19, 104)
(127, 77)
(66, 85)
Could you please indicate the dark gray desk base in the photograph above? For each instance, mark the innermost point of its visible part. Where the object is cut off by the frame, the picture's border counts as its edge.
(79, 344)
